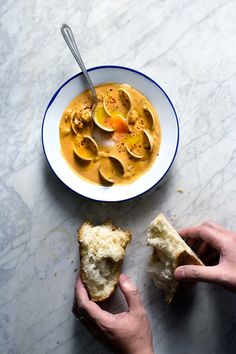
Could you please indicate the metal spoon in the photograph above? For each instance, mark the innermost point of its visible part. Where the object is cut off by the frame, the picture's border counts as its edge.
(70, 41)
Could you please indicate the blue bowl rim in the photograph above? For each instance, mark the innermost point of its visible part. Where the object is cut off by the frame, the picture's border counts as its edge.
(112, 67)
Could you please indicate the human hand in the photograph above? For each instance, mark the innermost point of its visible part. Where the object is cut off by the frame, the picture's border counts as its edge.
(126, 332)
(217, 242)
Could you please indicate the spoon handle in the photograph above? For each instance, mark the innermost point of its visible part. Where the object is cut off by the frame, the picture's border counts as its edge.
(70, 41)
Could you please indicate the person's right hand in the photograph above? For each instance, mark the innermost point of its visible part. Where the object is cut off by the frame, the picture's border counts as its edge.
(220, 239)
(127, 332)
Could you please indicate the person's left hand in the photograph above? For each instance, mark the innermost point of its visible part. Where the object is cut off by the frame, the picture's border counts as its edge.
(126, 332)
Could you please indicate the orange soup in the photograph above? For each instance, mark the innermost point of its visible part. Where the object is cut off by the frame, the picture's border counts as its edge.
(114, 142)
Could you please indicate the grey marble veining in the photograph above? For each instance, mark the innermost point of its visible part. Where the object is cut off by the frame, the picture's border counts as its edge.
(189, 48)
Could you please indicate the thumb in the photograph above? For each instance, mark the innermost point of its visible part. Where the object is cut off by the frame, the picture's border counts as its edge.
(193, 272)
(130, 292)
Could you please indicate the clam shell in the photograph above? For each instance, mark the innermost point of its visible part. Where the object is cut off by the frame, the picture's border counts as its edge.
(106, 104)
(125, 97)
(142, 141)
(105, 178)
(132, 153)
(79, 125)
(118, 165)
(149, 117)
(110, 167)
(149, 139)
(100, 116)
(85, 148)
(132, 145)
(110, 104)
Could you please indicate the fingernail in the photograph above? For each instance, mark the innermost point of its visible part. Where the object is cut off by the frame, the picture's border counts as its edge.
(180, 273)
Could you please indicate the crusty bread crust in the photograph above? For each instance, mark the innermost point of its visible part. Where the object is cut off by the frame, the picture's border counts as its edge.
(114, 265)
(169, 252)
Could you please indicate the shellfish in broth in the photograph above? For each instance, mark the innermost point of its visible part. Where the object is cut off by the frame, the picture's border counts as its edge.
(117, 142)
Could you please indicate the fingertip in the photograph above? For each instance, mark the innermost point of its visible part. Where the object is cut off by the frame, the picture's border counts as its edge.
(180, 273)
(79, 284)
(77, 280)
(190, 232)
(183, 233)
(80, 291)
(126, 283)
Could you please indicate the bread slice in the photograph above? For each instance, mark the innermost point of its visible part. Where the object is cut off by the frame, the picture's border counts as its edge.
(102, 250)
(169, 252)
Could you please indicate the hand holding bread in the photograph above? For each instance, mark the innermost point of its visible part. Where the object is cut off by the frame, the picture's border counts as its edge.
(126, 332)
(223, 273)
(169, 251)
(102, 250)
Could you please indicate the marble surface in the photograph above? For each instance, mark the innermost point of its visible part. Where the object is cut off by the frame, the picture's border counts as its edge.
(189, 48)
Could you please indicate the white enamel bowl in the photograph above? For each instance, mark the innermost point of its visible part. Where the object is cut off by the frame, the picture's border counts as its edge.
(169, 133)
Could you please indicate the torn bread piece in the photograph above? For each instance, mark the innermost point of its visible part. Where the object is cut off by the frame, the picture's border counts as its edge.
(102, 250)
(169, 252)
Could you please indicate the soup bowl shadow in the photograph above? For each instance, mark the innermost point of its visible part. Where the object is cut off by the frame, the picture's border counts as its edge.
(123, 213)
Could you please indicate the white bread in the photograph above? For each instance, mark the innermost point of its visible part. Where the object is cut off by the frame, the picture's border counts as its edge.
(169, 252)
(102, 250)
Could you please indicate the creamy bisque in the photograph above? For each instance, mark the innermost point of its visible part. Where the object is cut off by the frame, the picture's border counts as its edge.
(118, 142)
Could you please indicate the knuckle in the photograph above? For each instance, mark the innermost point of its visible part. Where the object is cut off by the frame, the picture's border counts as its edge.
(142, 314)
(104, 325)
(204, 226)
(107, 326)
(134, 292)
(203, 230)
(194, 273)
(208, 223)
